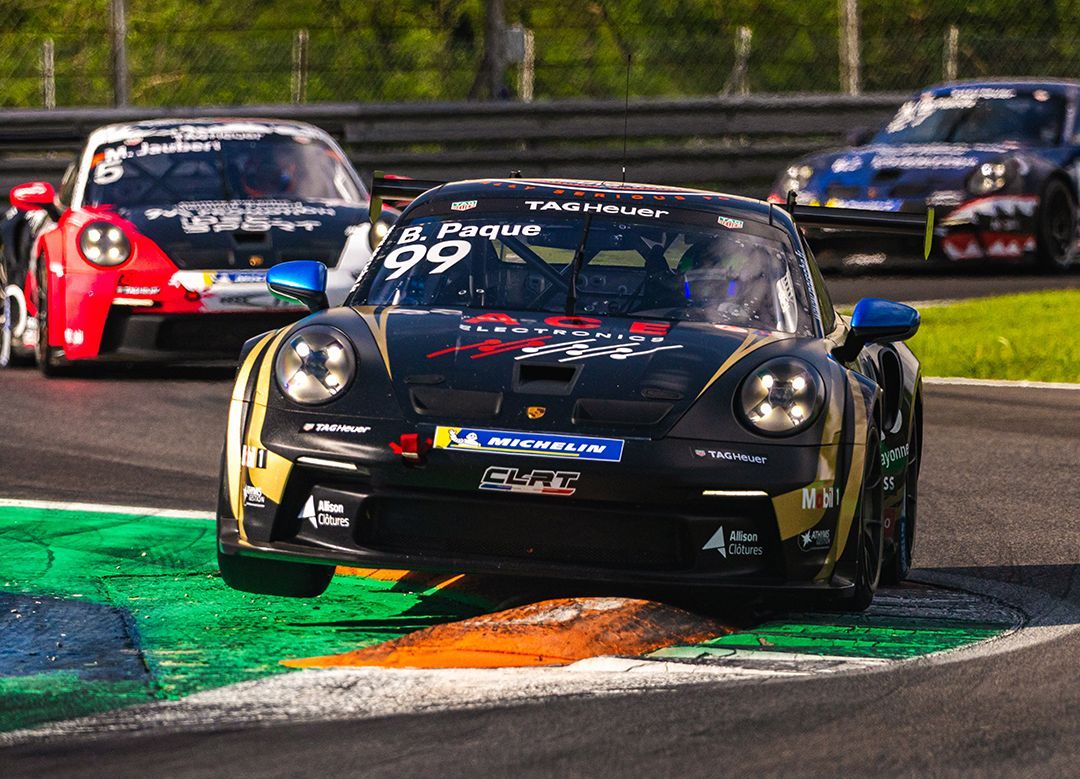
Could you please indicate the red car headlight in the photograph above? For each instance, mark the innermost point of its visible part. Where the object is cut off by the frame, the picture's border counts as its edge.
(104, 244)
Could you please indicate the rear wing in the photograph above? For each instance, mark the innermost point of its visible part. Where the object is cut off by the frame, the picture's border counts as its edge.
(396, 189)
(863, 221)
(814, 217)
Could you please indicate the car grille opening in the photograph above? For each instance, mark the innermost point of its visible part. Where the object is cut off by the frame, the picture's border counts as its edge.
(545, 533)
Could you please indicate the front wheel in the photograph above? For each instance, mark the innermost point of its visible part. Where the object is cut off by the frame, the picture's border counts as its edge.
(50, 360)
(274, 577)
(1057, 227)
(867, 533)
(6, 328)
(898, 565)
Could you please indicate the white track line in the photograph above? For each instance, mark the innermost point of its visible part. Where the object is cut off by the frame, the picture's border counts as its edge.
(962, 382)
(141, 511)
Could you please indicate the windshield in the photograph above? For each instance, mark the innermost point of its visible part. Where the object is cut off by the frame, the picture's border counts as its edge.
(172, 168)
(991, 115)
(708, 269)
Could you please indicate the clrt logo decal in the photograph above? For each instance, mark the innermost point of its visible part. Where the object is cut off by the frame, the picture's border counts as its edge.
(536, 482)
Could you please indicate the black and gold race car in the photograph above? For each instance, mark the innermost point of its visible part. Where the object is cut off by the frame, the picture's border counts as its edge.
(619, 383)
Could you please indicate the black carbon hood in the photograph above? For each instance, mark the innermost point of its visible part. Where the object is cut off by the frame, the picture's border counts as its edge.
(615, 376)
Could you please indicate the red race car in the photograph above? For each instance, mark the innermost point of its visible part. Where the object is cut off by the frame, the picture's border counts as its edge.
(157, 245)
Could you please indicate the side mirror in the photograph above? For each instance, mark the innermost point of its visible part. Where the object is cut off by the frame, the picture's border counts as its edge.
(35, 196)
(299, 281)
(877, 321)
(859, 136)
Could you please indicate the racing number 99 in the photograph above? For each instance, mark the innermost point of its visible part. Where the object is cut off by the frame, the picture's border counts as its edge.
(444, 255)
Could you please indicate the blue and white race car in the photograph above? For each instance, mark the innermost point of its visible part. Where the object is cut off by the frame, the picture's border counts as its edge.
(998, 160)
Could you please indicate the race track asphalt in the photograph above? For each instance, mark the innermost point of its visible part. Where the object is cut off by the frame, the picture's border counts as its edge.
(944, 284)
(1000, 501)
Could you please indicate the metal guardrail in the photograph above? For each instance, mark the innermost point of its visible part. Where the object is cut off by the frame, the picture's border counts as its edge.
(733, 143)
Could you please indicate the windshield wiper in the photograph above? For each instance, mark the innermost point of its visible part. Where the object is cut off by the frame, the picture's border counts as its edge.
(575, 267)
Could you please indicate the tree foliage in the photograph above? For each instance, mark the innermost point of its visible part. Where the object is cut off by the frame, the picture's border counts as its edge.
(242, 51)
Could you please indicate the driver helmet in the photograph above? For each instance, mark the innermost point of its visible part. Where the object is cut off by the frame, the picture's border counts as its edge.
(268, 170)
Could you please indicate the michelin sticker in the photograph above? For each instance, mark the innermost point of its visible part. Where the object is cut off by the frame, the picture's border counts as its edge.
(470, 439)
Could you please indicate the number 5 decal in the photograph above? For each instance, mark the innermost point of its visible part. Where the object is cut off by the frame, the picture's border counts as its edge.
(445, 255)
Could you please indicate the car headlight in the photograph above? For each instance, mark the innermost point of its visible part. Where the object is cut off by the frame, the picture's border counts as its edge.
(378, 231)
(781, 396)
(990, 177)
(103, 243)
(315, 364)
(795, 177)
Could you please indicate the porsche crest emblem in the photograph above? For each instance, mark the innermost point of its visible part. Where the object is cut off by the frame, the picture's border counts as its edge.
(535, 412)
(255, 260)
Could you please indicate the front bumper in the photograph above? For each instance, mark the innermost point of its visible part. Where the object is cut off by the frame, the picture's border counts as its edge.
(644, 520)
(139, 337)
(992, 228)
(141, 315)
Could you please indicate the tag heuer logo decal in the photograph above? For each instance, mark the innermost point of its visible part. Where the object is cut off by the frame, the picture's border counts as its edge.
(463, 205)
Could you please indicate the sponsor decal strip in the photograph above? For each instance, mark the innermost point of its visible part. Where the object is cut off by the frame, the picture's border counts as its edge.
(234, 438)
(377, 322)
(272, 478)
(470, 439)
(751, 343)
(853, 483)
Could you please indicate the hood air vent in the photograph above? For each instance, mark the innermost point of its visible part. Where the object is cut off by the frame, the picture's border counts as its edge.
(545, 379)
(597, 411)
(430, 401)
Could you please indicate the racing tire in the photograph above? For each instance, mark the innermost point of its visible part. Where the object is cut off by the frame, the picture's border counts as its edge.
(274, 577)
(898, 565)
(50, 360)
(11, 353)
(1056, 227)
(6, 337)
(867, 534)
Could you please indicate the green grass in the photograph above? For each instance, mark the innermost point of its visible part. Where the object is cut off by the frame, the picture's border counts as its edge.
(1033, 336)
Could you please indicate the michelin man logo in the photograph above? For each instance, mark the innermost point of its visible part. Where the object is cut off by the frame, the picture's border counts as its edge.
(469, 440)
